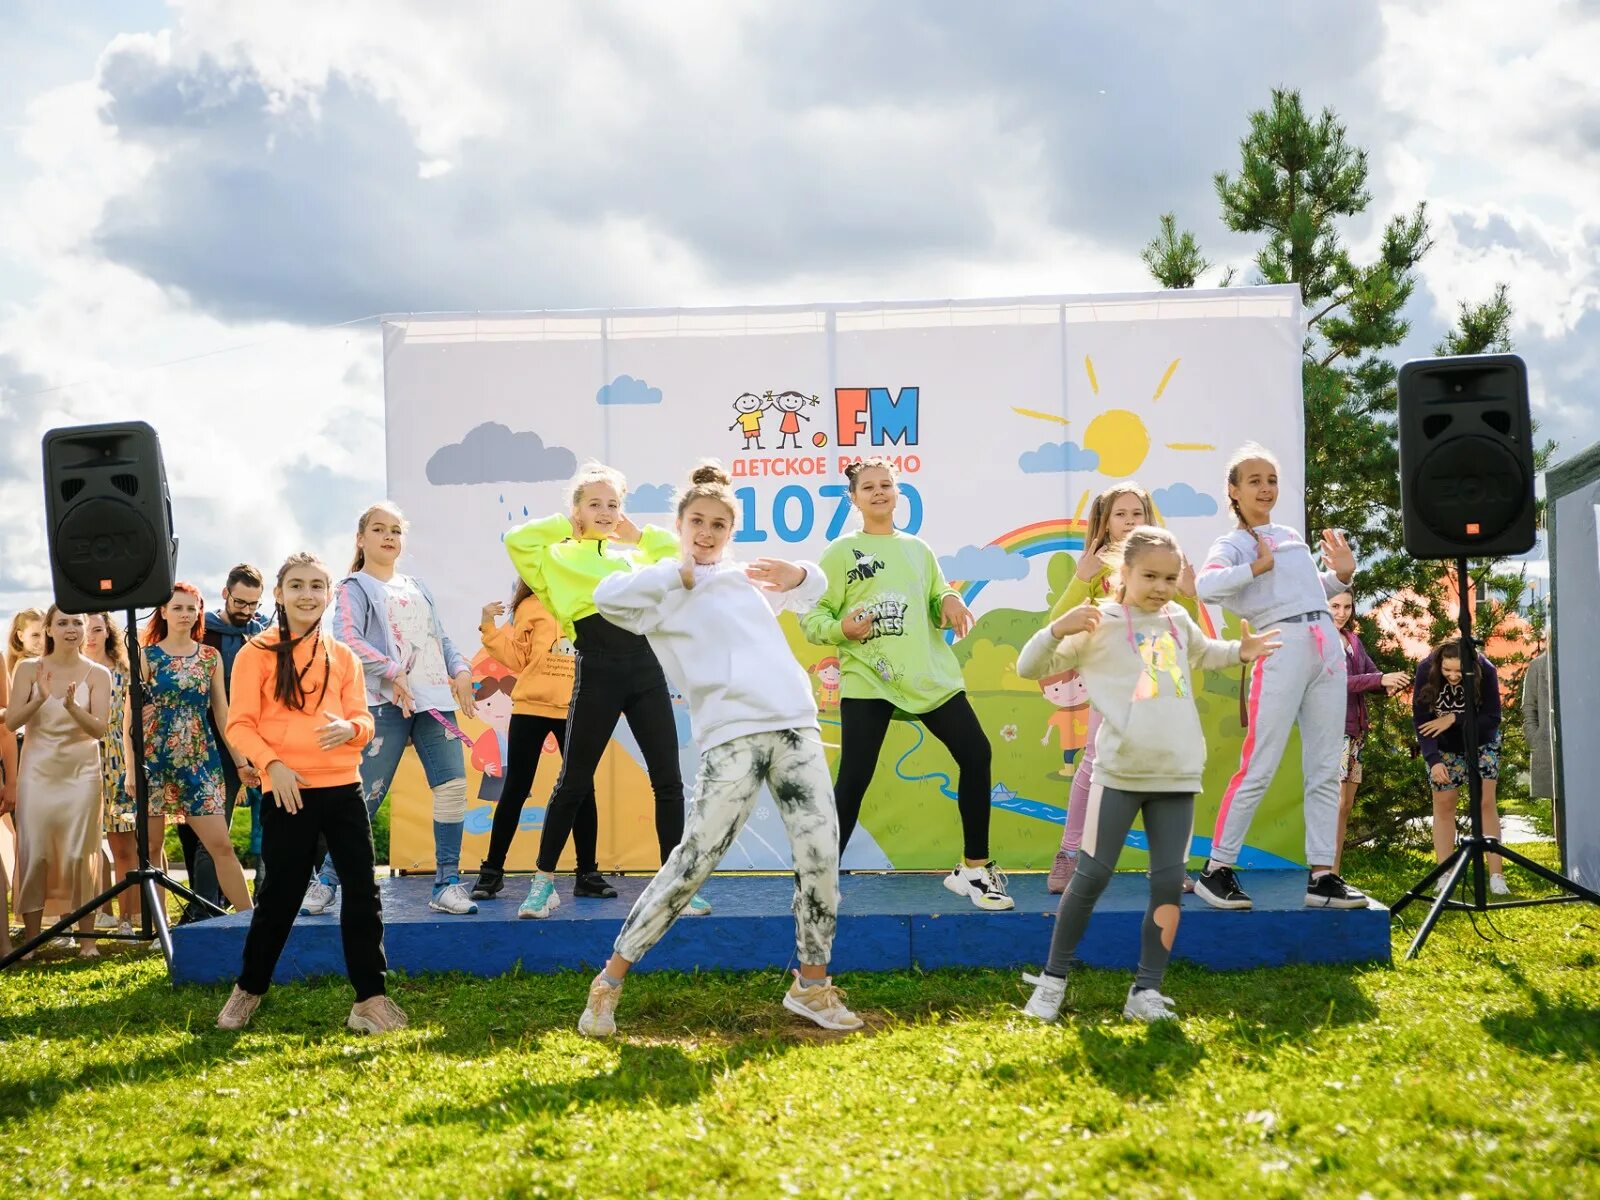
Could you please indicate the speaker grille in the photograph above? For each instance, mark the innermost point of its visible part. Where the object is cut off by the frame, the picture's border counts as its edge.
(70, 488)
(128, 485)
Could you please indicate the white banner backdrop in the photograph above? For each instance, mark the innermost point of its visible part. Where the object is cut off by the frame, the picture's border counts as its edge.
(1006, 416)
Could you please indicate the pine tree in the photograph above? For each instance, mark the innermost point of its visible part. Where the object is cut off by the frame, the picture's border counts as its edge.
(1299, 176)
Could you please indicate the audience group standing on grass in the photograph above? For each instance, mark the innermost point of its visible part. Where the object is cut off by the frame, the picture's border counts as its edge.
(300, 706)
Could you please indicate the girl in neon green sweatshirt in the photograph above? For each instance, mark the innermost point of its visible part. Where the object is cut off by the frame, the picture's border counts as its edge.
(886, 602)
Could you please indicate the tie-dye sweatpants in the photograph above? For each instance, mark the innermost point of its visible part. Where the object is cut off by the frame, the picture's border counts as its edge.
(790, 762)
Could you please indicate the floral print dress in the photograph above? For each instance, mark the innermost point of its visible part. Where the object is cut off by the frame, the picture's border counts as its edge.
(117, 802)
(181, 756)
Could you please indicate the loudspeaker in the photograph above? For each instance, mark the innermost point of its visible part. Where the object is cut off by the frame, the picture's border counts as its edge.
(109, 517)
(1466, 457)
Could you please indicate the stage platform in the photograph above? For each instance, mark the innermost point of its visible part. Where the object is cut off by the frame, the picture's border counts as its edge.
(886, 922)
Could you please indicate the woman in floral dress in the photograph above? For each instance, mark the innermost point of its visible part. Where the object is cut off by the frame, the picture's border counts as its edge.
(184, 677)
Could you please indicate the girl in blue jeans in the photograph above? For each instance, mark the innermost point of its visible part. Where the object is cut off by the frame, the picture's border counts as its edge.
(416, 683)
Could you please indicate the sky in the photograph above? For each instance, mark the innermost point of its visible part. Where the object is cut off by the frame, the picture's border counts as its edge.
(202, 205)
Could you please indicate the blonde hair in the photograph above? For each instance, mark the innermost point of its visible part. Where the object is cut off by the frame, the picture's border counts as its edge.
(595, 471)
(15, 650)
(708, 481)
(1100, 510)
(1136, 545)
(1249, 452)
(372, 510)
(116, 648)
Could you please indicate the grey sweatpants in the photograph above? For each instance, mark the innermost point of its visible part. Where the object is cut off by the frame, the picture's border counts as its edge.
(1304, 683)
(791, 763)
(1169, 825)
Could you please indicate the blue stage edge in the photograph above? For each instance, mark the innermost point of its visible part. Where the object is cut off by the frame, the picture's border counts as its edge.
(886, 923)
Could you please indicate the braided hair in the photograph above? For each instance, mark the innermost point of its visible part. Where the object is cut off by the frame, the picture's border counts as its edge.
(1249, 452)
(288, 684)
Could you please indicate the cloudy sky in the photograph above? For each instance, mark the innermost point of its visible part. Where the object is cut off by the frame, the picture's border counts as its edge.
(203, 204)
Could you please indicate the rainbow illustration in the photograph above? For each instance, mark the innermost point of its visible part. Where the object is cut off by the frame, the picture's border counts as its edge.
(1046, 537)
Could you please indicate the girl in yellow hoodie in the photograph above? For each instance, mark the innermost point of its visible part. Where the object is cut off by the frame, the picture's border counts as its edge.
(299, 715)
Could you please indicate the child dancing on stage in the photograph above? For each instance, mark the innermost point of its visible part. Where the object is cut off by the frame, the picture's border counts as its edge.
(1264, 574)
(532, 645)
(1136, 656)
(300, 717)
(754, 721)
(1115, 513)
(563, 558)
(886, 602)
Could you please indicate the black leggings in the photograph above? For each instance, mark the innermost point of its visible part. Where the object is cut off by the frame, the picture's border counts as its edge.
(291, 844)
(525, 738)
(608, 685)
(863, 725)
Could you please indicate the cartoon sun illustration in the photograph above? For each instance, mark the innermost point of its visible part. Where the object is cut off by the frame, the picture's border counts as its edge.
(1118, 436)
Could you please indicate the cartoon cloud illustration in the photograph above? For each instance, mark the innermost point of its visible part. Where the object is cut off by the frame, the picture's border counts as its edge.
(492, 453)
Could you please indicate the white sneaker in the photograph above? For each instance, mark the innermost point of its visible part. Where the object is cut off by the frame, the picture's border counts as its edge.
(125, 929)
(1148, 1005)
(1497, 885)
(319, 898)
(104, 921)
(984, 886)
(822, 1003)
(599, 1015)
(453, 898)
(1048, 994)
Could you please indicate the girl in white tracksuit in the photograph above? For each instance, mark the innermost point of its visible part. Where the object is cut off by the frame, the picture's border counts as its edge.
(712, 625)
(1265, 575)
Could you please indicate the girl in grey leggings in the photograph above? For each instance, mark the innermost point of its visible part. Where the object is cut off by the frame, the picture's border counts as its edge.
(1135, 656)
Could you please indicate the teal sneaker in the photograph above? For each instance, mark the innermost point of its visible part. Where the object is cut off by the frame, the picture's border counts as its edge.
(699, 906)
(542, 899)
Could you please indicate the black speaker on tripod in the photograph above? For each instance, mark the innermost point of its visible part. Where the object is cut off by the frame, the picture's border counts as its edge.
(109, 517)
(1466, 491)
(1466, 457)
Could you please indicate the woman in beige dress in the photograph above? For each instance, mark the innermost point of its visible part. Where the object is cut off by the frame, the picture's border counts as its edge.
(64, 700)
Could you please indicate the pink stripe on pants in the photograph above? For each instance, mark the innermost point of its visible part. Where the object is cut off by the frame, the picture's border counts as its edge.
(1078, 799)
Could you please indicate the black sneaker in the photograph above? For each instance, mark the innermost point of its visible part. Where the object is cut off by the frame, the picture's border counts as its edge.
(594, 885)
(1220, 889)
(490, 881)
(1329, 891)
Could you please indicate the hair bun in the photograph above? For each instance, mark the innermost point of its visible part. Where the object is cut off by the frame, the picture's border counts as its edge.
(710, 472)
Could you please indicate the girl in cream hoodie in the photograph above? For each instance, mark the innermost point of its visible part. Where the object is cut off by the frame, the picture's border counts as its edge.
(1135, 656)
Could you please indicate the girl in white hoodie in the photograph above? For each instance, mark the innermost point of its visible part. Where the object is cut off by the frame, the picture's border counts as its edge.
(713, 626)
(1135, 656)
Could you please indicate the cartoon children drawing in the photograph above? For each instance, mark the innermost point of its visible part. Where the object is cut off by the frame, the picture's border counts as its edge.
(491, 689)
(749, 407)
(1071, 718)
(790, 404)
(828, 672)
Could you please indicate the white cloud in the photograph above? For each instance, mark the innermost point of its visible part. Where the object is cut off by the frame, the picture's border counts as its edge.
(225, 186)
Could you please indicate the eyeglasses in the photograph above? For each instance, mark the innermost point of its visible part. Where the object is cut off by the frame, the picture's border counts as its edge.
(244, 605)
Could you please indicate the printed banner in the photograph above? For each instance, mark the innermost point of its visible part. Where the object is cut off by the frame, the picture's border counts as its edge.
(1006, 417)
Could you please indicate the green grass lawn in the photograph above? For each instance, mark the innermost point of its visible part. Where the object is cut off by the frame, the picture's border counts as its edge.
(1470, 1072)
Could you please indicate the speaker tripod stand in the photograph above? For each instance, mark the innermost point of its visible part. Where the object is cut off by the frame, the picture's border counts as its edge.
(149, 880)
(1471, 850)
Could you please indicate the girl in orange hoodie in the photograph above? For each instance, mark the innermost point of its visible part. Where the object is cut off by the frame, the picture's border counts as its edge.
(299, 715)
(532, 645)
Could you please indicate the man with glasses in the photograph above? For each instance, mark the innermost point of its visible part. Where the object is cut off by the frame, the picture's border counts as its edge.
(227, 628)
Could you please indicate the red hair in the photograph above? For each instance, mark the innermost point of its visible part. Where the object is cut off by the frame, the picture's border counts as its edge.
(155, 629)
